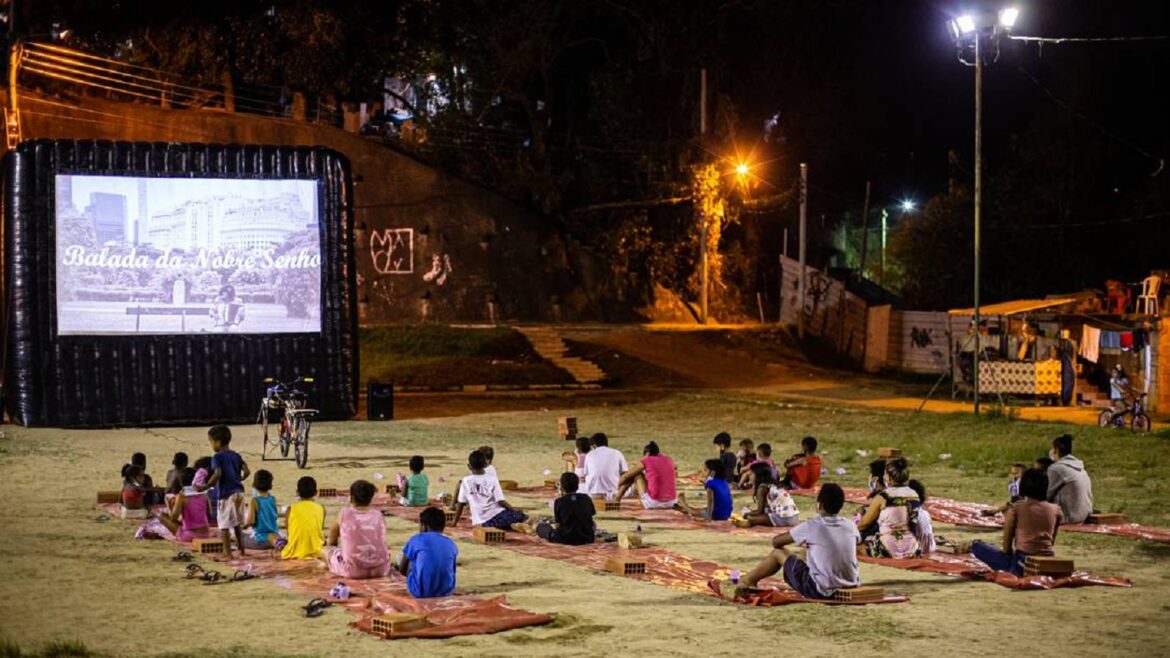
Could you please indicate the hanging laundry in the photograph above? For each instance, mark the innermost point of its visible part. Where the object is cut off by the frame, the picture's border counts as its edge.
(1110, 340)
(1126, 340)
(1090, 340)
(1141, 338)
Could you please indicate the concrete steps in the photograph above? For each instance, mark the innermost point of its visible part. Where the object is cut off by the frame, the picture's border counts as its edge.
(1091, 396)
(549, 345)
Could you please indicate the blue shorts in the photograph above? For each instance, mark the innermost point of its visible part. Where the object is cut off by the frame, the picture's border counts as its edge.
(505, 519)
(797, 575)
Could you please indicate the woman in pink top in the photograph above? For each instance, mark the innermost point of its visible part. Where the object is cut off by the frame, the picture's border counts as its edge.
(362, 535)
(654, 478)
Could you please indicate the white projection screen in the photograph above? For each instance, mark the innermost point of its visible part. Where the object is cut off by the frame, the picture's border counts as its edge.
(187, 256)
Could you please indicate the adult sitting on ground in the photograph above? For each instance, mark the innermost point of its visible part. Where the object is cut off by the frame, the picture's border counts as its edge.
(1029, 527)
(890, 523)
(603, 468)
(1068, 482)
(832, 551)
(654, 479)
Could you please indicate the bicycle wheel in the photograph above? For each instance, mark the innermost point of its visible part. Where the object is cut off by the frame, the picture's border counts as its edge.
(301, 440)
(264, 432)
(1105, 419)
(1141, 423)
(286, 436)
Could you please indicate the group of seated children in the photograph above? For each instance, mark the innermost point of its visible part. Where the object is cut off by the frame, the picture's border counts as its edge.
(801, 471)
(774, 505)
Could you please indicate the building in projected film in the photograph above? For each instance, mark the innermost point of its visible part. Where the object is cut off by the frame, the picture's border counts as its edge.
(228, 223)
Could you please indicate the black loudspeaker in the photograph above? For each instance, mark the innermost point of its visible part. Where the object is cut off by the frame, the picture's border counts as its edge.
(380, 401)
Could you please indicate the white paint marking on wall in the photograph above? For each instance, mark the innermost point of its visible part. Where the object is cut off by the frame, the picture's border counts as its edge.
(392, 251)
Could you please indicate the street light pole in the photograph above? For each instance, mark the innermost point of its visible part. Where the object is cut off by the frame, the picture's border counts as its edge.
(978, 200)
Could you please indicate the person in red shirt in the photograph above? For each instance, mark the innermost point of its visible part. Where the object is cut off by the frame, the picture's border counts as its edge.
(803, 470)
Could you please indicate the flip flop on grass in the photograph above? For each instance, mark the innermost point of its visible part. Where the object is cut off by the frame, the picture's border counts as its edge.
(316, 607)
(183, 556)
(193, 570)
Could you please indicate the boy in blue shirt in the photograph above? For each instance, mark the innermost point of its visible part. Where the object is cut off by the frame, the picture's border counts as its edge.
(228, 474)
(718, 496)
(428, 559)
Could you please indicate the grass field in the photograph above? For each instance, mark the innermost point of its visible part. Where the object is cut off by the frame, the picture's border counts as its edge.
(91, 588)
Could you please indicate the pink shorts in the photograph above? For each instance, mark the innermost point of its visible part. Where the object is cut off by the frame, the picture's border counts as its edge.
(338, 566)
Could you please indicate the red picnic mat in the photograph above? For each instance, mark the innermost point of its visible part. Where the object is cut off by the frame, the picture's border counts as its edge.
(662, 567)
(770, 597)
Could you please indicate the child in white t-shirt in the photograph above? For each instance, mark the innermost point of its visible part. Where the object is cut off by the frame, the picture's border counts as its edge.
(480, 493)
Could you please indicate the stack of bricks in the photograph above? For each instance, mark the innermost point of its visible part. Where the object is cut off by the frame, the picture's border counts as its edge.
(488, 535)
(567, 428)
(889, 453)
(1053, 567)
(864, 593)
(398, 622)
(1106, 519)
(625, 566)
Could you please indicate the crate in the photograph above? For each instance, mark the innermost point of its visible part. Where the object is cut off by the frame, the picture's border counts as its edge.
(889, 453)
(863, 593)
(109, 497)
(393, 490)
(509, 485)
(628, 540)
(625, 566)
(1055, 567)
(1106, 519)
(210, 546)
(327, 492)
(606, 505)
(399, 622)
(488, 535)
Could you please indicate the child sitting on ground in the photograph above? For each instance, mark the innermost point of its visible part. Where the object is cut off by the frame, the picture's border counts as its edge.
(727, 459)
(263, 514)
(228, 474)
(803, 470)
(832, 551)
(718, 495)
(1042, 463)
(150, 495)
(480, 492)
(202, 472)
(429, 558)
(133, 491)
(925, 525)
(306, 520)
(1013, 488)
(188, 511)
(774, 505)
(744, 457)
(575, 461)
(417, 485)
(361, 532)
(488, 454)
(572, 516)
(175, 475)
(894, 512)
(763, 455)
(1029, 527)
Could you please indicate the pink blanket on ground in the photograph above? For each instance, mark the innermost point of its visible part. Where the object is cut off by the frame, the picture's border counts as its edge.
(662, 567)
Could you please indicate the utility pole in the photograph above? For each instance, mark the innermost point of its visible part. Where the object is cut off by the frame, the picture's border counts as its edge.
(865, 229)
(978, 199)
(882, 262)
(803, 239)
(703, 218)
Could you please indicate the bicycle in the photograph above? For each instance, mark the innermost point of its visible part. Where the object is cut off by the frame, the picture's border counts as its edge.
(1134, 407)
(288, 404)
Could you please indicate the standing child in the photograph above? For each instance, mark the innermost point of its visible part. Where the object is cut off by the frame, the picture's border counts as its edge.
(774, 505)
(228, 474)
(417, 485)
(262, 511)
(726, 457)
(831, 542)
(803, 470)
(1029, 527)
(188, 518)
(481, 493)
(306, 523)
(572, 516)
(175, 475)
(429, 558)
(718, 495)
(361, 533)
(1013, 490)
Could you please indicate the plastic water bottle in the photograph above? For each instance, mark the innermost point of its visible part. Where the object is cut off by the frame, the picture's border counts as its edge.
(340, 591)
(733, 576)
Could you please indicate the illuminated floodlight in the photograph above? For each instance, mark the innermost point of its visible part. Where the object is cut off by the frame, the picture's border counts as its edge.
(1008, 16)
(741, 169)
(907, 205)
(965, 24)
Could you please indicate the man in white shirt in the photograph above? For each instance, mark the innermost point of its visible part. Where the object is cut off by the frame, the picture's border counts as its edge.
(603, 467)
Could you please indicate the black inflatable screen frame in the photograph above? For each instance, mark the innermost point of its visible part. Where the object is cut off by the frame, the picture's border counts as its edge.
(103, 381)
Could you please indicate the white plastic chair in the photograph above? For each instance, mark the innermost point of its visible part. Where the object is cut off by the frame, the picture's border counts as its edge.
(1147, 303)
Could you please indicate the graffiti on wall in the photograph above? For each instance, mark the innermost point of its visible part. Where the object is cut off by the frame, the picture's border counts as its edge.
(440, 268)
(921, 337)
(392, 251)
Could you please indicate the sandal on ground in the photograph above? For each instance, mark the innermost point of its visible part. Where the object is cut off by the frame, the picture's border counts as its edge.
(193, 570)
(241, 576)
(211, 577)
(182, 556)
(316, 607)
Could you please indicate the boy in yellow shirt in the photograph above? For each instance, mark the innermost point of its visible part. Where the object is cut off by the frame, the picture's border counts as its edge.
(306, 524)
